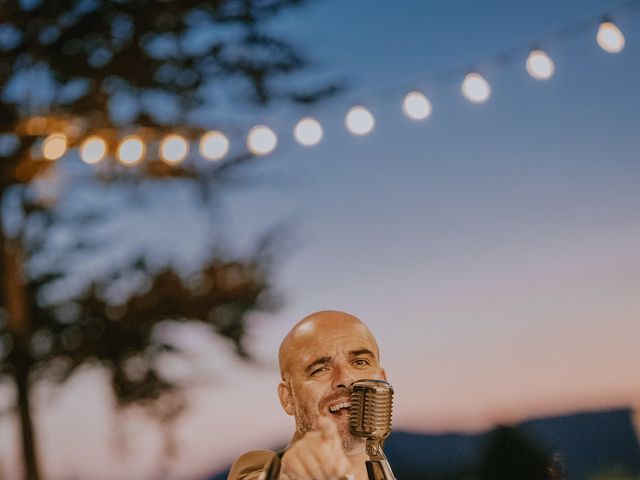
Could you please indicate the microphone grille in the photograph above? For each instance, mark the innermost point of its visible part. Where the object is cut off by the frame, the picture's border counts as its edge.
(370, 413)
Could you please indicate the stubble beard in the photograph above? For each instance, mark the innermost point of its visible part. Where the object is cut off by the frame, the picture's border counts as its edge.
(307, 421)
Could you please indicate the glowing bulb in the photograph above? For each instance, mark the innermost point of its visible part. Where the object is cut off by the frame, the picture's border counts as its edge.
(214, 145)
(610, 38)
(359, 121)
(539, 65)
(416, 106)
(131, 150)
(308, 132)
(54, 146)
(93, 149)
(173, 149)
(261, 140)
(475, 88)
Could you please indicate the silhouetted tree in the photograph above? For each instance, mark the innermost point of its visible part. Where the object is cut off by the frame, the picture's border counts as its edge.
(85, 66)
(510, 454)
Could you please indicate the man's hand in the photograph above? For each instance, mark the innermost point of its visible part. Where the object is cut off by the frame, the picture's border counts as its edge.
(317, 455)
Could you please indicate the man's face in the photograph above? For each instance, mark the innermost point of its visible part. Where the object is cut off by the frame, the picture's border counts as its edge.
(323, 361)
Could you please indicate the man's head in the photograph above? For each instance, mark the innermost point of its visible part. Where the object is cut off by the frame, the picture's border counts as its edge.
(320, 358)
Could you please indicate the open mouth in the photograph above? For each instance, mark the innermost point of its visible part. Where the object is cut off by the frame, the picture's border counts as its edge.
(341, 408)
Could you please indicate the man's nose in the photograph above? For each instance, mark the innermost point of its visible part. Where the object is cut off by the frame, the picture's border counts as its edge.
(342, 377)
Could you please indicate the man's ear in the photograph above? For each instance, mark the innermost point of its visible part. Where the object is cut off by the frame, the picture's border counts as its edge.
(384, 374)
(286, 397)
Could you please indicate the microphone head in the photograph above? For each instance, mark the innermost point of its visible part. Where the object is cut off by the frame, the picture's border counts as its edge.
(370, 412)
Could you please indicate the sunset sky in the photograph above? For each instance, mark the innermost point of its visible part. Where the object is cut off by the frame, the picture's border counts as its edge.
(493, 249)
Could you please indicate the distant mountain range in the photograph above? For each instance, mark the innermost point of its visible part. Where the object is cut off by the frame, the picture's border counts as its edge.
(586, 443)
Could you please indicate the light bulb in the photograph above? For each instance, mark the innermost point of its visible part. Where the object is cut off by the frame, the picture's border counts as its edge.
(261, 140)
(475, 88)
(359, 121)
(173, 149)
(539, 65)
(214, 145)
(416, 106)
(54, 146)
(610, 38)
(131, 150)
(308, 132)
(93, 149)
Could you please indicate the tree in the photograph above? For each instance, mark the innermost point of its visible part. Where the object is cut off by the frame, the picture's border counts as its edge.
(89, 66)
(509, 453)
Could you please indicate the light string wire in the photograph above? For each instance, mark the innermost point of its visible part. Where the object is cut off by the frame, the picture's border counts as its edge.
(261, 139)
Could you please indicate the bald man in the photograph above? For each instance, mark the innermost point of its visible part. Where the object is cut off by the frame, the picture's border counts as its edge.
(320, 358)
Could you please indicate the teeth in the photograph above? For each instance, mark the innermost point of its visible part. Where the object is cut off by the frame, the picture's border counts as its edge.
(338, 406)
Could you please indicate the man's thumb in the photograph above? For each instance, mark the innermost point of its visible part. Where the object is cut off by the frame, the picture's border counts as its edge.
(327, 428)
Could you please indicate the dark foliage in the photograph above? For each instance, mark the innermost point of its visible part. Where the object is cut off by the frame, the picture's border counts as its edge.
(509, 453)
(91, 66)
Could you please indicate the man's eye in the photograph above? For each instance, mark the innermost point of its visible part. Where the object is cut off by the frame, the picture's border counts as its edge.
(317, 371)
(361, 362)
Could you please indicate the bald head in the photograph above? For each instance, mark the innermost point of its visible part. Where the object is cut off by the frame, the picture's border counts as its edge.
(320, 358)
(323, 326)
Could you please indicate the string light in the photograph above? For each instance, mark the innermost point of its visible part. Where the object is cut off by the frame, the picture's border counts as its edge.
(308, 132)
(131, 150)
(539, 65)
(416, 106)
(475, 88)
(261, 140)
(173, 149)
(93, 149)
(54, 146)
(359, 121)
(610, 38)
(214, 145)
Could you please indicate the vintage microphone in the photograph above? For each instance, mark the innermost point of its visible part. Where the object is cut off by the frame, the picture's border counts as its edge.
(370, 418)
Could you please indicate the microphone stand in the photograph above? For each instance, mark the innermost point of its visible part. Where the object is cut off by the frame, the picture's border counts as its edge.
(378, 467)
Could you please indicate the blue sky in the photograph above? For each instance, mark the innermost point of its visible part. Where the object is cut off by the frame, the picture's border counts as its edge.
(492, 248)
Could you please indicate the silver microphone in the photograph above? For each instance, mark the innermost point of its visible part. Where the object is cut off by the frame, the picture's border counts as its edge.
(370, 418)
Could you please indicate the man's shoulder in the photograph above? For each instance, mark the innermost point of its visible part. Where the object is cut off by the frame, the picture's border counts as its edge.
(250, 464)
